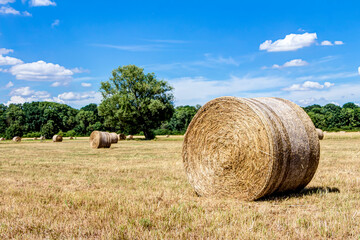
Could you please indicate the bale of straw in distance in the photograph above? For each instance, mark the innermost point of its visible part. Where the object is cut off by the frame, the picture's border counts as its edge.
(35, 138)
(122, 136)
(167, 136)
(57, 138)
(42, 138)
(17, 139)
(249, 148)
(2, 139)
(114, 137)
(130, 137)
(100, 139)
(320, 133)
(71, 138)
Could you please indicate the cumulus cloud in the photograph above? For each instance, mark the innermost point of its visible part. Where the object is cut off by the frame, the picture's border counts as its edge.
(86, 84)
(9, 85)
(41, 71)
(9, 61)
(8, 10)
(23, 91)
(4, 51)
(308, 85)
(26, 94)
(328, 43)
(292, 63)
(55, 23)
(40, 3)
(291, 42)
(6, 1)
(71, 96)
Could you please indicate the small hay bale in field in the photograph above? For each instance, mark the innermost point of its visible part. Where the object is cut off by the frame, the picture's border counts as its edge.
(342, 132)
(114, 137)
(17, 139)
(2, 139)
(122, 136)
(35, 138)
(248, 148)
(57, 138)
(167, 136)
(320, 133)
(130, 137)
(42, 138)
(71, 138)
(100, 139)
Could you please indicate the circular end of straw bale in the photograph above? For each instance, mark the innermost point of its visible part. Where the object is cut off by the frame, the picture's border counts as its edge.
(320, 133)
(100, 139)
(57, 138)
(17, 139)
(130, 137)
(248, 148)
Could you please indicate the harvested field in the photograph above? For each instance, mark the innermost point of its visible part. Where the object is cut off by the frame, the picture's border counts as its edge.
(139, 190)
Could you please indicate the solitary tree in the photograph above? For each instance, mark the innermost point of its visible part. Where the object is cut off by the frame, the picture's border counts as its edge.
(134, 101)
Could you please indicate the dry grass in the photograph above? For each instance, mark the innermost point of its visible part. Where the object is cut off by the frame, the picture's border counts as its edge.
(138, 190)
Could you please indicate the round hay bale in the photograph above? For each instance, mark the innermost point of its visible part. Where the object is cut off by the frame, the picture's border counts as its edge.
(71, 138)
(57, 138)
(100, 139)
(130, 137)
(35, 138)
(2, 139)
(342, 132)
(17, 139)
(114, 137)
(320, 133)
(249, 148)
(42, 138)
(122, 136)
(167, 136)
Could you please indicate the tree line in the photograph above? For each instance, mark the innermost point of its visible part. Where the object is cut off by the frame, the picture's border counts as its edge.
(48, 118)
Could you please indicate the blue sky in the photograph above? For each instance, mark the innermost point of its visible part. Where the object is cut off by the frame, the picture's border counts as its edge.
(60, 50)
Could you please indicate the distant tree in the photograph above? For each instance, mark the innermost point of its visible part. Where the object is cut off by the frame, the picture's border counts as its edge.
(182, 118)
(350, 105)
(135, 101)
(49, 129)
(15, 119)
(3, 124)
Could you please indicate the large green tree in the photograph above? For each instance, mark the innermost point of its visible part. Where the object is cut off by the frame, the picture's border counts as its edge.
(134, 101)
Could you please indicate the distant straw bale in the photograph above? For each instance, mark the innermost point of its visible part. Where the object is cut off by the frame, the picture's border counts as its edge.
(2, 139)
(17, 139)
(320, 133)
(167, 136)
(122, 136)
(248, 148)
(35, 138)
(130, 137)
(57, 138)
(114, 137)
(100, 139)
(42, 138)
(71, 138)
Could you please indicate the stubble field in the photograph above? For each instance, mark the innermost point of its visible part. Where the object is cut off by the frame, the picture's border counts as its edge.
(139, 190)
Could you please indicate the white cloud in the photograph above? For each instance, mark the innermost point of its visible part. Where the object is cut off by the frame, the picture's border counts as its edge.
(292, 63)
(9, 85)
(79, 70)
(71, 96)
(55, 23)
(308, 85)
(221, 60)
(9, 10)
(86, 84)
(23, 91)
(329, 76)
(338, 42)
(4, 51)
(26, 94)
(9, 60)
(326, 43)
(291, 42)
(56, 84)
(6, 1)
(41, 71)
(26, 14)
(40, 3)
(359, 70)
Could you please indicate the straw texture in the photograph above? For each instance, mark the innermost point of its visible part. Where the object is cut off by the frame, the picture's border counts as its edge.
(320, 133)
(114, 137)
(100, 139)
(122, 136)
(249, 148)
(57, 138)
(17, 139)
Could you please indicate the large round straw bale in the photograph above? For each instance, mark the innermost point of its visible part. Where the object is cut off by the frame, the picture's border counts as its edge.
(248, 148)
(130, 137)
(122, 136)
(100, 139)
(320, 133)
(57, 138)
(17, 139)
(114, 137)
